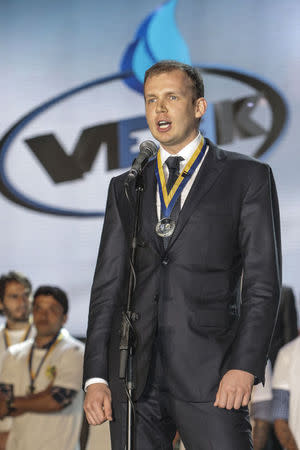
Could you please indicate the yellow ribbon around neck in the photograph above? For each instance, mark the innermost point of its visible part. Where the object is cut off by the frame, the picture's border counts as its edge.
(181, 177)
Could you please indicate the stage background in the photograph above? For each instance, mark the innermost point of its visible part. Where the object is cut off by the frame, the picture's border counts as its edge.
(49, 48)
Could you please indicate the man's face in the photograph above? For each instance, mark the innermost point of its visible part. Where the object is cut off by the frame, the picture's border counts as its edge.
(16, 302)
(48, 315)
(172, 112)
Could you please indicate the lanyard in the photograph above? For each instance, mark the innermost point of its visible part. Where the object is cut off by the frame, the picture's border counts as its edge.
(6, 338)
(33, 375)
(168, 200)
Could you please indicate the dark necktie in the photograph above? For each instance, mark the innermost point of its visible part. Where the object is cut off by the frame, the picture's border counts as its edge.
(173, 164)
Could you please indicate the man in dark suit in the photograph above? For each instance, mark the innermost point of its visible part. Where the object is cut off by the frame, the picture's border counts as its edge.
(200, 344)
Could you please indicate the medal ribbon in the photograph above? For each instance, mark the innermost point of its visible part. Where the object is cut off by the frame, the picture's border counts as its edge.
(7, 340)
(168, 200)
(33, 375)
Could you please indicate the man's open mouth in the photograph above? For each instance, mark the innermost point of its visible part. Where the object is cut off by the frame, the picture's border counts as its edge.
(163, 124)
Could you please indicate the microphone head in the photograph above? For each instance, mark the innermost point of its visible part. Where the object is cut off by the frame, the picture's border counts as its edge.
(148, 148)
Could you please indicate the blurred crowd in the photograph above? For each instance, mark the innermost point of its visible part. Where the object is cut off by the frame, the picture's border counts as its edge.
(41, 375)
(41, 369)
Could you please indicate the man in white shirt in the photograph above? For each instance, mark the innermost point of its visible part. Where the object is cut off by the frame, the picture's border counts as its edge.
(286, 395)
(15, 305)
(41, 380)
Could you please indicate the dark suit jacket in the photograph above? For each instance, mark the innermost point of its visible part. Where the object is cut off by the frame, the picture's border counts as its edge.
(229, 224)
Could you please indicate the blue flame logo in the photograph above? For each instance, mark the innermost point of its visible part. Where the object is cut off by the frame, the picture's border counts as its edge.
(157, 38)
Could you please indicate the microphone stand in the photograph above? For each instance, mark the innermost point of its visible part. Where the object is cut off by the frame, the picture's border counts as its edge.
(128, 334)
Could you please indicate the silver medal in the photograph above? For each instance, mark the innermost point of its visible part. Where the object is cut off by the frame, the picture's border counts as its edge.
(165, 227)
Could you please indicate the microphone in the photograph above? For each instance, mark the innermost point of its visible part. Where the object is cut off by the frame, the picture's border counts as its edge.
(147, 150)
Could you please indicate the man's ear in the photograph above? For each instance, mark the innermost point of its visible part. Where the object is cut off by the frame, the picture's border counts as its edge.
(65, 318)
(1, 307)
(200, 107)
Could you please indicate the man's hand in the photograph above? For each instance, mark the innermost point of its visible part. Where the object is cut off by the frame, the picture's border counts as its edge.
(3, 439)
(284, 434)
(235, 389)
(3, 406)
(97, 404)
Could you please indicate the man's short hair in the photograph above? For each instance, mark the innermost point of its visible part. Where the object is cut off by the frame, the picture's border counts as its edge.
(13, 276)
(167, 65)
(57, 293)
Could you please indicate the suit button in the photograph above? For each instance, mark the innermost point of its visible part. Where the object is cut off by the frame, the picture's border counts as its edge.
(165, 262)
(135, 316)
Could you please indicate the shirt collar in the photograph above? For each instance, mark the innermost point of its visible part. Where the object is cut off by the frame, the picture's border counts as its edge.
(47, 346)
(185, 153)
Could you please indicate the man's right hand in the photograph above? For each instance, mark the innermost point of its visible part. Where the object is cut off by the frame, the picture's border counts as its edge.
(3, 406)
(97, 404)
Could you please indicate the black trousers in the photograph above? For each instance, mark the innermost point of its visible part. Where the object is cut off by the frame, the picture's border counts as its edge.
(201, 425)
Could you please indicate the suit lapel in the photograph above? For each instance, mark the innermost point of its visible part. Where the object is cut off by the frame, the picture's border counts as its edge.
(209, 172)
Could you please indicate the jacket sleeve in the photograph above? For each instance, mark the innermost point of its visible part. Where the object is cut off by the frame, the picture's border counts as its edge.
(259, 240)
(106, 290)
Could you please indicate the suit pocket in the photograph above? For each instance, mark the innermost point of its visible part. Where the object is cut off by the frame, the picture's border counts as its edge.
(213, 324)
(211, 319)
